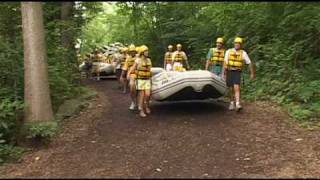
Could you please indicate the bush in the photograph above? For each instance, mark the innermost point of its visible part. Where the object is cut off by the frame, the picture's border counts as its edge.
(9, 112)
(41, 130)
(9, 152)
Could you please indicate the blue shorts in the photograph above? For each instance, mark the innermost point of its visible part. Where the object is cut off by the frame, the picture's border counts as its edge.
(216, 69)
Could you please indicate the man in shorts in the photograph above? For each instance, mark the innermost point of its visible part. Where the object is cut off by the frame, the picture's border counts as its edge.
(234, 60)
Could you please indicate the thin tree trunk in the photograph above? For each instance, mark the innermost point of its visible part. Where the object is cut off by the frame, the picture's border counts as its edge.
(134, 13)
(66, 32)
(160, 26)
(36, 85)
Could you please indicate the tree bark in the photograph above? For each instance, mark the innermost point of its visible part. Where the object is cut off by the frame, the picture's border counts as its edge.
(134, 14)
(66, 32)
(36, 86)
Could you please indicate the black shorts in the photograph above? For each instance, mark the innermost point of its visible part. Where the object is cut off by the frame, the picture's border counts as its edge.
(233, 77)
(118, 72)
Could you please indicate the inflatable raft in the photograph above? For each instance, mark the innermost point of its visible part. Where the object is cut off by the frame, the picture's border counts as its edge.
(105, 69)
(188, 85)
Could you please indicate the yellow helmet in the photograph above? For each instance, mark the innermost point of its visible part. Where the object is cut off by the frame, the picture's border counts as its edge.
(143, 48)
(132, 47)
(179, 45)
(238, 40)
(170, 46)
(124, 49)
(138, 49)
(219, 40)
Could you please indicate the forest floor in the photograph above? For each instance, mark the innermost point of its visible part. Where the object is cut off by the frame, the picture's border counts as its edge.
(199, 139)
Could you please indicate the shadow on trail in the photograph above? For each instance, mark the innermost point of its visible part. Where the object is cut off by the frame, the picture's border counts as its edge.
(188, 107)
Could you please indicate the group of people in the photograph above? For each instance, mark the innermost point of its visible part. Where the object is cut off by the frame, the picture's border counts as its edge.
(229, 65)
(226, 64)
(174, 60)
(98, 55)
(133, 70)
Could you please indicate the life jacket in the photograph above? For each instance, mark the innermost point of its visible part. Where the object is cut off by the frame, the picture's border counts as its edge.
(235, 59)
(130, 61)
(96, 58)
(217, 55)
(144, 69)
(109, 59)
(123, 60)
(168, 57)
(178, 57)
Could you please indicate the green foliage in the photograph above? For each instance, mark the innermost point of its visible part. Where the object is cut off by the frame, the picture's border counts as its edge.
(9, 152)
(41, 130)
(9, 112)
(62, 65)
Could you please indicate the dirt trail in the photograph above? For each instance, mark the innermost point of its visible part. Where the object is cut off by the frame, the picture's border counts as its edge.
(189, 139)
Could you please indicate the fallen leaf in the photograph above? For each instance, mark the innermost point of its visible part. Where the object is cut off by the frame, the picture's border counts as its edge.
(299, 139)
(247, 159)
(158, 169)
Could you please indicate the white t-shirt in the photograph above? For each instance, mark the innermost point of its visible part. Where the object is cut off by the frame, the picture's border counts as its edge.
(244, 56)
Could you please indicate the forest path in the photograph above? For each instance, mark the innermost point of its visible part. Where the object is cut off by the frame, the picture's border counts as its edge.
(179, 139)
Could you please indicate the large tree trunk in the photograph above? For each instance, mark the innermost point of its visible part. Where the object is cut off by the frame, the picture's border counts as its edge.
(36, 86)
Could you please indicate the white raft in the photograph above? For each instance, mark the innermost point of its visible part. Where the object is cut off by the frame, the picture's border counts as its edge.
(188, 85)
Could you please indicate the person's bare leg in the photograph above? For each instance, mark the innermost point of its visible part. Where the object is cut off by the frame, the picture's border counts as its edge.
(147, 101)
(124, 81)
(133, 94)
(231, 93)
(98, 76)
(237, 96)
(141, 103)
(118, 79)
(124, 85)
(140, 100)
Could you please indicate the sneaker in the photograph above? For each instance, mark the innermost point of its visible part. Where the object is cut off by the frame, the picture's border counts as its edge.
(132, 106)
(231, 106)
(148, 111)
(238, 107)
(142, 114)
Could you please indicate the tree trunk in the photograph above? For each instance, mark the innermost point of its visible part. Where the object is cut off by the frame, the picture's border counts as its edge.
(134, 14)
(66, 30)
(36, 86)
